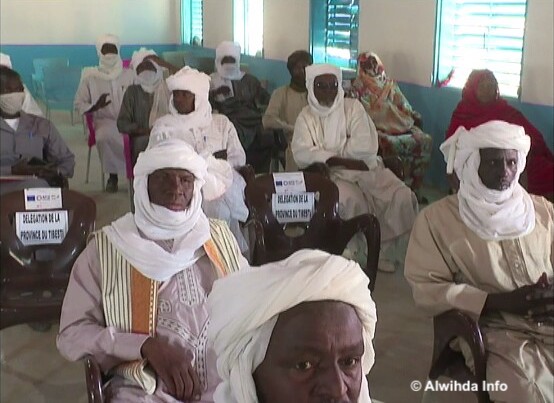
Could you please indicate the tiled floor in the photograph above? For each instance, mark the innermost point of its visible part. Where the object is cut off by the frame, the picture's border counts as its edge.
(33, 371)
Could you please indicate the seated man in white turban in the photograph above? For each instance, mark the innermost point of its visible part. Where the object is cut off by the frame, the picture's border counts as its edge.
(303, 334)
(146, 101)
(488, 251)
(101, 93)
(240, 96)
(136, 299)
(335, 136)
(30, 106)
(191, 120)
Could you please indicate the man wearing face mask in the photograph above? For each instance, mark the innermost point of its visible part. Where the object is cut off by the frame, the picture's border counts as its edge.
(145, 101)
(30, 146)
(29, 103)
(239, 96)
(101, 93)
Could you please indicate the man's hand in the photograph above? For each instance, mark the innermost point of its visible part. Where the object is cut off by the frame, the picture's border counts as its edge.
(100, 103)
(348, 163)
(532, 301)
(173, 366)
(223, 90)
(221, 154)
(22, 167)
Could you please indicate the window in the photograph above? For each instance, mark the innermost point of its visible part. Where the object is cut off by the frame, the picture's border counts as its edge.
(248, 26)
(334, 32)
(191, 17)
(479, 34)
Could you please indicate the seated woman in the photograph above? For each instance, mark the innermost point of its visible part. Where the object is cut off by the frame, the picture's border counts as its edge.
(398, 125)
(481, 103)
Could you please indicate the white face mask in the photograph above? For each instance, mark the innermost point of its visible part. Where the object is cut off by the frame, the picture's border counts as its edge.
(109, 60)
(228, 69)
(12, 103)
(148, 77)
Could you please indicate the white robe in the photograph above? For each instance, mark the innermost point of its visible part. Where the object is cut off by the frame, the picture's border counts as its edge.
(108, 139)
(222, 135)
(377, 191)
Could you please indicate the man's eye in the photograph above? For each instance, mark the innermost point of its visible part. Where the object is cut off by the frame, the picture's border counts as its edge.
(303, 366)
(351, 361)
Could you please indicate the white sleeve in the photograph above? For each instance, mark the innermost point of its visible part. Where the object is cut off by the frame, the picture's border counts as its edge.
(363, 139)
(304, 150)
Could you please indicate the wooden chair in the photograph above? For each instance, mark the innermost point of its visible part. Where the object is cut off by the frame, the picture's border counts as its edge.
(326, 230)
(451, 363)
(34, 278)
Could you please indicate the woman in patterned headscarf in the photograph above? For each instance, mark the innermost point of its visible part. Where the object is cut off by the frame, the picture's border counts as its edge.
(397, 123)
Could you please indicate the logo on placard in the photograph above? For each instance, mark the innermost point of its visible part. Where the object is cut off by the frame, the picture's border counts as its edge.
(31, 198)
(279, 183)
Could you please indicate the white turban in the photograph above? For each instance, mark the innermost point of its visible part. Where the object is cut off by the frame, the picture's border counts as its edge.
(5, 60)
(188, 79)
(314, 71)
(228, 71)
(189, 229)
(107, 38)
(140, 55)
(492, 214)
(241, 325)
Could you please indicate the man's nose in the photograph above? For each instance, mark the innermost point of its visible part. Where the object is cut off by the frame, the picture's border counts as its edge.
(332, 385)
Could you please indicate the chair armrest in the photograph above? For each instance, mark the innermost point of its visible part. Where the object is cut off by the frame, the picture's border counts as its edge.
(394, 163)
(93, 376)
(318, 168)
(450, 325)
(247, 172)
(368, 225)
(258, 254)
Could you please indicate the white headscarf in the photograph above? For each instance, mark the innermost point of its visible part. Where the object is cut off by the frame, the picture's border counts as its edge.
(229, 71)
(5, 60)
(111, 65)
(199, 84)
(333, 118)
(241, 327)
(494, 215)
(188, 229)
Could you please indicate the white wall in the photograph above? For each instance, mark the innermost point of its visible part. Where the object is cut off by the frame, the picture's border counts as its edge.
(286, 27)
(402, 33)
(218, 22)
(537, 84)
(81, 22)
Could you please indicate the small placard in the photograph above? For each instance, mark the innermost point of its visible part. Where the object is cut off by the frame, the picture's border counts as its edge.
(293, 207)
(41, 227)
(289, 182)
(43, 198)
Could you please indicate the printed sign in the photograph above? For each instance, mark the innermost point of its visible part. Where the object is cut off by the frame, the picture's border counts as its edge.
(293, 207)
(289, 182)
(41, 227)
(43, 198)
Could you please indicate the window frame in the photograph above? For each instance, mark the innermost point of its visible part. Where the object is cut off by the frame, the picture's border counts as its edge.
(187, 21)
(442, 68)
(241, 27)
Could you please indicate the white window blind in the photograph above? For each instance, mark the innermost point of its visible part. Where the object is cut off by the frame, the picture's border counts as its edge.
(479, 34)
(248, 26)
(191, 16)
(341, 32)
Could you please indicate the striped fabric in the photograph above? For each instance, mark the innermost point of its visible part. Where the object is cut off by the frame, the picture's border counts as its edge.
(130, 305)
(130, 299)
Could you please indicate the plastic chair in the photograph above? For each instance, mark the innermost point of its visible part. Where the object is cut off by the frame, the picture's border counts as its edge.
(176, 58)
(326, 230)
(59, 86)
(203, 64)
(451, 363)
(91, 141)
(35, 277)
(38, 75)
(95, 379)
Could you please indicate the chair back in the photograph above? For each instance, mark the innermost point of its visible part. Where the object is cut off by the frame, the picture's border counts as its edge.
(326, 230)
(176, 58)
(203, 64)
(60, 86)
(34, 277)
